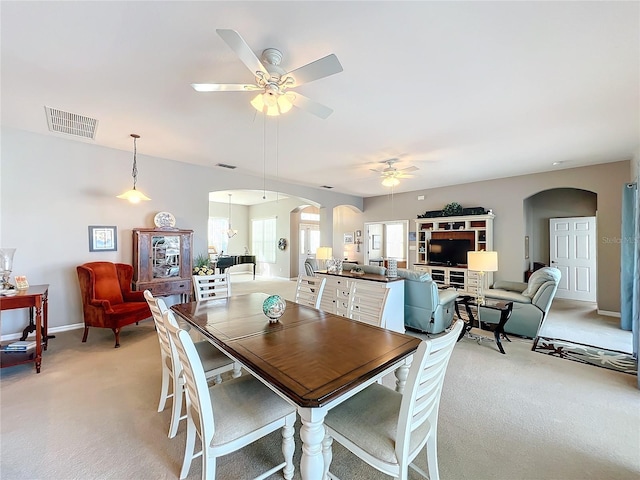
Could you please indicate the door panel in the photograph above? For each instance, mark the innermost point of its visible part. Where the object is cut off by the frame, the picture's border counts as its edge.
(572, 250)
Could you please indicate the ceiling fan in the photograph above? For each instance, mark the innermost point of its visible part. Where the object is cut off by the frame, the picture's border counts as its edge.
(272, 81)
(391, 175)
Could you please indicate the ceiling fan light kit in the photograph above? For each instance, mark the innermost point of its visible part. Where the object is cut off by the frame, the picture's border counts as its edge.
(390, 181)
(272, 81)
(391, 175)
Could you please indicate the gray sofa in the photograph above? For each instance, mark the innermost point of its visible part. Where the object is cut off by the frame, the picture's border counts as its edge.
(531, 301)
(347, 267)
(426, 308)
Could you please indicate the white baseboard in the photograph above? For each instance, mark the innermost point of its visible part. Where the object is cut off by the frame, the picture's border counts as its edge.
(607, 313)
(52, 330)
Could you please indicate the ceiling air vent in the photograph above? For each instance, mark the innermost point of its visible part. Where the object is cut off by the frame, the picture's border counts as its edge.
(71, 123)
(224, 165)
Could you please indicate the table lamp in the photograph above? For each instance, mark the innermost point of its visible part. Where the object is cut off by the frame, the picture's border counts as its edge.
(324, 254)
(482, 261)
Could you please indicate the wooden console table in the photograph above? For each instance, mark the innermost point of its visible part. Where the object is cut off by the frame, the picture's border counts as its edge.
(35, 298)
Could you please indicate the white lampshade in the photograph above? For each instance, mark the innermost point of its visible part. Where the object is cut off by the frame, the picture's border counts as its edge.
(482, 261)
(272, 105)
(133, 195)
(324, 253)
(390, 181)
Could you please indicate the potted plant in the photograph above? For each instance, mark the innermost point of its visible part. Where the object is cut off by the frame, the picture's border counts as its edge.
(202, 265)
(452, 209)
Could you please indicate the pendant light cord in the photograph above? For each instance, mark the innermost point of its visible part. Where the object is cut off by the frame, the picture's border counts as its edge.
(134, 172)
(264, 157)
(277, 151)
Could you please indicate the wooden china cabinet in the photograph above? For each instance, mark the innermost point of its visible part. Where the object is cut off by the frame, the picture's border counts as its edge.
(162, 261)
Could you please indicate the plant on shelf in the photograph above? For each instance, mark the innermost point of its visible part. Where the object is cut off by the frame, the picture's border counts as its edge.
(452, 209)
(202, 265)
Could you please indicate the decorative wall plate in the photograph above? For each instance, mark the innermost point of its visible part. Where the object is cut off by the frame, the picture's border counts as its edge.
(164, 219)
(282, 243)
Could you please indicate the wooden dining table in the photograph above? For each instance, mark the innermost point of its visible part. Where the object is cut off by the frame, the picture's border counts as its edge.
(312, 358)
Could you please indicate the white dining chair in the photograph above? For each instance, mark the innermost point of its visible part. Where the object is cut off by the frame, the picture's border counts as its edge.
(367, 301)
(309, 290)
(207, 287)
(247, 411)
(214, 361)
(388, 429)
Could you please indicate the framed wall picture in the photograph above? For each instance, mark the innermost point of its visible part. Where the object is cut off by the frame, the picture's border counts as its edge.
(348, 238)
(103, 238)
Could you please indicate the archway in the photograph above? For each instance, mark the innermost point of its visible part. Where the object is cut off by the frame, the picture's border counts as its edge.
(560, 203)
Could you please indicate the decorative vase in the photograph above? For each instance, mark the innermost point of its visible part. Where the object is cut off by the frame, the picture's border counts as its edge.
(273, 307)
(6, 257)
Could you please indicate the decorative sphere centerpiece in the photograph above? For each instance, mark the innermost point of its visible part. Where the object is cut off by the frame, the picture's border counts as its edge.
(273, 307)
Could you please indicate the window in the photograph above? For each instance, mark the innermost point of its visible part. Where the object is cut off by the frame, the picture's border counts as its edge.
(217, 233)
(263, 239)
(312, 217)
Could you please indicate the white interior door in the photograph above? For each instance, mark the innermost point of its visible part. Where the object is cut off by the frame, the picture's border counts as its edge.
(573, 250)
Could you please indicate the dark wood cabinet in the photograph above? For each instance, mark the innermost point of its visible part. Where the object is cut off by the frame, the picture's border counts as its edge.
(162, 261)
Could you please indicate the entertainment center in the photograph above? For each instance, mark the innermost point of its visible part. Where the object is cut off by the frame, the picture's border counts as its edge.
(442, 244)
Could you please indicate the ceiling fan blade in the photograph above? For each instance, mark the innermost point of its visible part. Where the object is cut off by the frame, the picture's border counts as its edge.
(310, 106)
(224, 87)
(321, 68)
(404, 175)
(412, 168)
(244, 52)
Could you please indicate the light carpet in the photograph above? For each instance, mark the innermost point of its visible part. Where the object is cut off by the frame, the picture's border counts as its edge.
(91, 414)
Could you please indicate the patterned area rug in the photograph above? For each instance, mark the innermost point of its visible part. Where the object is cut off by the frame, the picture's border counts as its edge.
(600, 357)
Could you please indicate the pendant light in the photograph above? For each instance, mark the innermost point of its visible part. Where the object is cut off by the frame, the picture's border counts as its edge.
(133, 195)
(230, 232)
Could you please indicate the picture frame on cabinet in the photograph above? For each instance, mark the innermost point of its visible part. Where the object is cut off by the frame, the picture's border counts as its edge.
(103, 238)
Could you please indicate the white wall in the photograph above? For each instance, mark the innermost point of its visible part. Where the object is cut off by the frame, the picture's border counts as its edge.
(53, 188)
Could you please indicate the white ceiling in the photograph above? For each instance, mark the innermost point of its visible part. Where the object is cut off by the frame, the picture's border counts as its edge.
(465, 91)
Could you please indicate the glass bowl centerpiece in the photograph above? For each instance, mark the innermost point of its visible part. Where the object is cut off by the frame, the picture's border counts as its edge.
(273, 307)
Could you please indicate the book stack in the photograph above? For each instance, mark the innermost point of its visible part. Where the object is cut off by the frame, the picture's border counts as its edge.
(20, 346)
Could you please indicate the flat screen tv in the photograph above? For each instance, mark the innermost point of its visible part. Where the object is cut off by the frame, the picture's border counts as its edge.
(450, 252)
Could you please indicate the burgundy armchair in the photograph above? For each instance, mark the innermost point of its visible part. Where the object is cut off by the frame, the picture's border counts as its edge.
(107, 299)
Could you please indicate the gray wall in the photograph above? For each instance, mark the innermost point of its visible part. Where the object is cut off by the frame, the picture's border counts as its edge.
(506, 197)
(53, 188)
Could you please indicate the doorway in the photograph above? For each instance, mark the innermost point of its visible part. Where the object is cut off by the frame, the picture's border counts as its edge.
(309, 241)
(385, 240)
(572, 249)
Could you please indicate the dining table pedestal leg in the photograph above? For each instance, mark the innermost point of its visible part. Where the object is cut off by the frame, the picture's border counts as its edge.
(312, 434)
(401, 373)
